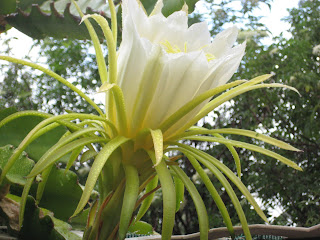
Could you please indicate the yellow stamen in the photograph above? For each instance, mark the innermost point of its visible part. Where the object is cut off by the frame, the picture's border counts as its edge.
(170, 48)
(175, 49)
(210, 57)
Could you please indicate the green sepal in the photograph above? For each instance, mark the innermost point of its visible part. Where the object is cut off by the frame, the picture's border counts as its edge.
(16, 130)
(147, 202)
(198, 202)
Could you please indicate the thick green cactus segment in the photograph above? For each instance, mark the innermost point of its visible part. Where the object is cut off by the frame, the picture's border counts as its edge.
(59, 19)
(7, 6)
(61, 193)
(14, 132)
(39, 223)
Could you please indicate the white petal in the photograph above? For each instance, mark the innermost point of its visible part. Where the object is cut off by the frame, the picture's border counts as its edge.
(155, 83)
(179, 83)
(221, 71)
(157, 8)
(147, 87)
(225, 67)
(132, 59)
(198, 36)
(159, 29)
(131, 8)
(222, 42)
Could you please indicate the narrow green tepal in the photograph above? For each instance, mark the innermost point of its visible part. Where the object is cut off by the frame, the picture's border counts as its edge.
(19, 170)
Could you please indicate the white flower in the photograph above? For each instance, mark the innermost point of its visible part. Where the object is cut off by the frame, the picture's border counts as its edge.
(163, 64)
(316, 50)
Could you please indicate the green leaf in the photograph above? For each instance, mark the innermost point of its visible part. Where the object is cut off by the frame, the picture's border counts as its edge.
(234, 155)
(52, 158)
(63, 228)
(206, 159)
(73, 157)
(141, 227)
(39, 223)
(191, 5)
(89, 154)
(148, 5)
(214, 193)
(61, 193)
(16, 130)
(21, 168)
(199, 156)
(80, 221)
(97, 5)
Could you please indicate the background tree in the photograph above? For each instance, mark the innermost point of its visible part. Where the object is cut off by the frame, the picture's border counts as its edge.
(287, 116)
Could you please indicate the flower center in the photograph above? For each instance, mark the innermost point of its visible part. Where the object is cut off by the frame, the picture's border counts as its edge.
(175, 49)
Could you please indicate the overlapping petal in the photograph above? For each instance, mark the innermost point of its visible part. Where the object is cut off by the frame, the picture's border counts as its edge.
(163, 64)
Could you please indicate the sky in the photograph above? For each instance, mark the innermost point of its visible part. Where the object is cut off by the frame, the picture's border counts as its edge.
(278, 11)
